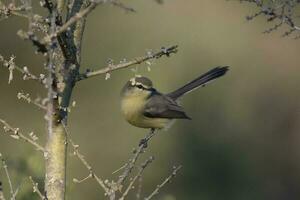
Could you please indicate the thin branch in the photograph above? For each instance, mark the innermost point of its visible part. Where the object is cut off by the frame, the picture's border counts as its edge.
(92, 174)
(75, 180)
(27, 75)
(83, 13)
(16, 134)
(36, 189)
(139, 191)
(111, 67)
(123, 6)
(131, 163)
(123, 167)
(11, 189)
(138, 175)
(167, 180)
(282, 11)
(36, 102)
(11, 9)
(75, 18)
(88, 166)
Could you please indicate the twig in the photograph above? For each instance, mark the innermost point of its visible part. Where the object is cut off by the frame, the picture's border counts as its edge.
(139, 191)
(75, 18)
(92, 174)
(75, 180)
(116, 171)
(36, 189)
(27, 98)
(83, 13)
(123, 6)
(279, 10)
(16, 134)
(167, 180)
(132, 161)
(11, 189)
(138, 175)
(88, 166)
(27, 75)
(11, 9)
(111, 67)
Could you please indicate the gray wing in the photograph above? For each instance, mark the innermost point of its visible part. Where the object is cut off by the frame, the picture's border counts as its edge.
(161, 106)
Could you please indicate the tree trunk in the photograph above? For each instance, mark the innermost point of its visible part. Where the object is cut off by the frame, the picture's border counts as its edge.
(56, 149)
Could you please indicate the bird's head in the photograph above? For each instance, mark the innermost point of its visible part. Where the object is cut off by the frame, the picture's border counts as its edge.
(138, 86)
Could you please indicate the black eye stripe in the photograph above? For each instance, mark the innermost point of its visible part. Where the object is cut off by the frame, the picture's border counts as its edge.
(140, 86)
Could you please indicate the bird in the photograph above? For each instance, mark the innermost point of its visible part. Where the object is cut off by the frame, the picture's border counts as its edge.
(144, 106)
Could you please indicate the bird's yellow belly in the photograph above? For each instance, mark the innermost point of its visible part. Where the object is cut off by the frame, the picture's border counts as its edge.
(133, 109)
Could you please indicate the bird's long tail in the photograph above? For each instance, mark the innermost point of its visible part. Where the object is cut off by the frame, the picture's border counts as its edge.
(198, 82)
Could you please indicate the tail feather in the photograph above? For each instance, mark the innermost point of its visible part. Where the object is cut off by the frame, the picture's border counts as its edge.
(200, 81)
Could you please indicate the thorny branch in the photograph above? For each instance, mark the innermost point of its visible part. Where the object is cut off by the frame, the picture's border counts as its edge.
(92, 174)
(74, 19)
(11, 10)
(131, 163)
(112, 67)
(280, 12)
(35, 22)
(111, 188)
(83, 13)
(167, 180)
(27, 75)
(16, 134)
(138, 175)
(37, 102)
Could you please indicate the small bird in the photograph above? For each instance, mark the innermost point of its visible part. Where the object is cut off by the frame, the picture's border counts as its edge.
(145, 107)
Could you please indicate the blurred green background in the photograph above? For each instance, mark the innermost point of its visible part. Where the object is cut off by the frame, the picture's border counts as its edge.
(243, 142)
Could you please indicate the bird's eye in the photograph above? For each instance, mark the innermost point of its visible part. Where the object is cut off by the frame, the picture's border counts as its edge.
(140, 86)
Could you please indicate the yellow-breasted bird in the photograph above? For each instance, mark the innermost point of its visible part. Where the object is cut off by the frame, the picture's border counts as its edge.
(143, 106)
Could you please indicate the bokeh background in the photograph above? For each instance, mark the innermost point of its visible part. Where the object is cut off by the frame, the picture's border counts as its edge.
(243, 142)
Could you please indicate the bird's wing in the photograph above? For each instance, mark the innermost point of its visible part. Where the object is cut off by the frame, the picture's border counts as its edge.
(161, 106)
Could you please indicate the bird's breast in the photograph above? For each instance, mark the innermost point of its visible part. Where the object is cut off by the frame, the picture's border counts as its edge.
(133, 110)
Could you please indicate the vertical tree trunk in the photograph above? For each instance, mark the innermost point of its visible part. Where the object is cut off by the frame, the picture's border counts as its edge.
(56, 163)
(63, 78)
(56, 149)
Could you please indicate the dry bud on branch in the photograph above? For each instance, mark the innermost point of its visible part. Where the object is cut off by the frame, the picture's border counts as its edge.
(112, 67)
(27, 75)
(16, 134)
(26, 97)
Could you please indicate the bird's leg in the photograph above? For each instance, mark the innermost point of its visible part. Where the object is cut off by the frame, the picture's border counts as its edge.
(145, 140)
